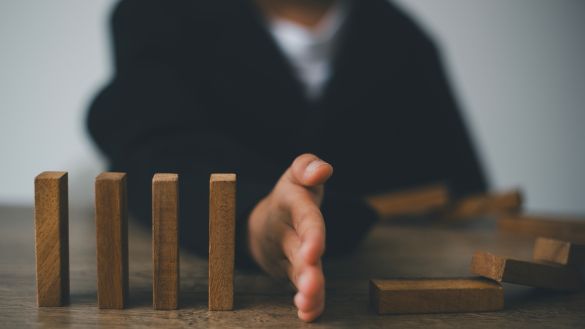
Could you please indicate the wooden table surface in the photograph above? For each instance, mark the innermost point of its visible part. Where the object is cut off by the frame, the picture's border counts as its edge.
(390, 251)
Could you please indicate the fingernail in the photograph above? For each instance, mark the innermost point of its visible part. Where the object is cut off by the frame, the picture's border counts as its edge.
(313, 166)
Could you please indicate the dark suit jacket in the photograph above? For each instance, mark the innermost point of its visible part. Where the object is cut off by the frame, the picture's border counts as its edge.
(201, 87)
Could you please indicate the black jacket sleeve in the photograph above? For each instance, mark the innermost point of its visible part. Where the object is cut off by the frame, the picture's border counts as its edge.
(152, 118)
(149, 119)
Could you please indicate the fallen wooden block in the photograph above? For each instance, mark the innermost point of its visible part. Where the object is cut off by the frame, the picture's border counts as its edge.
(485, 204)
(559, 252)
(411, 202)
(534, 274)
(561, 228)
(52, 239)
(222, 222)
(435, 295)
(111, 218)
(165, 241)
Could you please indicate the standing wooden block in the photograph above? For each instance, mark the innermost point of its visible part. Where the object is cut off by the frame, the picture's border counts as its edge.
(485, 204)
(534, 274)
(411, 202)
(222, 221)
(555, 227)
(559, 252)
(111, 218)
(435, 296)
(52, 239)
(165, 241)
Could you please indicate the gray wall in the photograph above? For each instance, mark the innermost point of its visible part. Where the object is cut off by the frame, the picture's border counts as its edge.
(517, 66)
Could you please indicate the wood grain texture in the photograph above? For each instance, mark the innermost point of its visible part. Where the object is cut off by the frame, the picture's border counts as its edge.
(559, 252)
(222, 221)
(389, 250)
(165, 241)
(111, 218)
(548, 226)
(496, 203)
(410, 202)
(52, 238)
(535, 274)
(447, 295)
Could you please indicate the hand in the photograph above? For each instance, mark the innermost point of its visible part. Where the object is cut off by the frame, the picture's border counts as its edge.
(286, 232)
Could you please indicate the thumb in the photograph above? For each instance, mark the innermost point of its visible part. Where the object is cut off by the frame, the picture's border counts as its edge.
(308, 170)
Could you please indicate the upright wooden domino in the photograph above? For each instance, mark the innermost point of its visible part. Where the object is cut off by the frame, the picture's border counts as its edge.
(52, 239)
(457, 295)
(222, 221)
(534, 274)
(559, 252)
(111, 218)
(165, 241)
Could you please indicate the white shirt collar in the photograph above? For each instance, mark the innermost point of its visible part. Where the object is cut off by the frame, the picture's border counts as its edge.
(310, 51)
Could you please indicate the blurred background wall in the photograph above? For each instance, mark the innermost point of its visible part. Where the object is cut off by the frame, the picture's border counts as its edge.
(518, 68)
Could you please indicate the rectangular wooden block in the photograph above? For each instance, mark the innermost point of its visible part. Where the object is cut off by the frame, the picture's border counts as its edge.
(555, 227)
(111, 219)
(165, 241)
(435, 295)
(222, 221)
(52, 239)
(485, 204)
(534, 274)
(559, 252)
(411, 202)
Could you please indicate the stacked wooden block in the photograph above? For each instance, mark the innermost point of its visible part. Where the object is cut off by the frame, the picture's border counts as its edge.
(111, 217)
(555, 264)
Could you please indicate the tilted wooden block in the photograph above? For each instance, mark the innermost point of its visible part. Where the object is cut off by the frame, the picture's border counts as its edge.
(559, 227)
(52, 239)
(435, 295)
(485, 204)
(165, 241)
(559, 252)
(111, 218)
(411, 202)
(534, 274)
(222, 221)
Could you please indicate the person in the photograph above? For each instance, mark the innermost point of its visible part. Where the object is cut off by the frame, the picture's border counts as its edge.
(279, 92)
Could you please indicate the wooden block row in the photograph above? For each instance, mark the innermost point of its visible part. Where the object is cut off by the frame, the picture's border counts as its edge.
(555, 227)
(535, 274)
(403, 296)
(411, 202)
(111, 217)
(485, 204)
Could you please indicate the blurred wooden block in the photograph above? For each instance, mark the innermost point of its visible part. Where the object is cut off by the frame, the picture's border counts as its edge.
(410, 202)
(559, 252)
(534, 274)
(561, 228)
(165, 241)
(222, 222)
(52, 239)
(435, 295)
(485, 204)
(111, 218)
